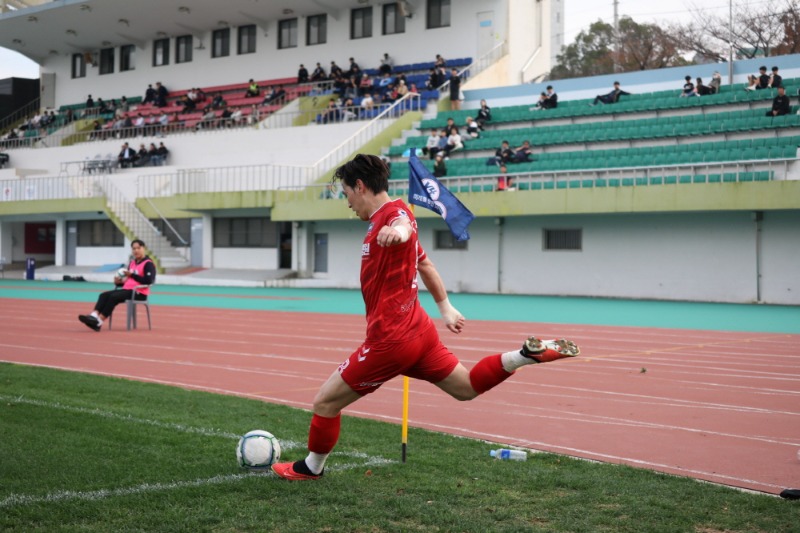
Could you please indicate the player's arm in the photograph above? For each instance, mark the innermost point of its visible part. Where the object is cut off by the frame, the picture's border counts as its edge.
(433, 282)
(398, 233)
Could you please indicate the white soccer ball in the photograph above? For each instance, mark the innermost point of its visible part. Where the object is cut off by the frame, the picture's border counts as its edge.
(258, 450)
(121, 273)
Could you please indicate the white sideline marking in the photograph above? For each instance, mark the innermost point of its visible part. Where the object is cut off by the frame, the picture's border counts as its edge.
(94, 495)
(68, 495)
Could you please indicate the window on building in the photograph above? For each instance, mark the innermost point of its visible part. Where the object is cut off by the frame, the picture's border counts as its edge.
(78, 66)
(247, 39)
(446, 241)
(99, 233)
(255, 232)
(562, 239)
(316, 29)
(361, 23)
(221, 43)
(107, 61)
(287, 34)
(393, 20)
(161, 52)
(183, 49)
(438, 13)
(127, 58)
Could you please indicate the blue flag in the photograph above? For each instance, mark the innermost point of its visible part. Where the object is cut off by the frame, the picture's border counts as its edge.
(425, 191)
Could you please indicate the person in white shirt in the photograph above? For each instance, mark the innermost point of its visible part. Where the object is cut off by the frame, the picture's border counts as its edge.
(453, 142)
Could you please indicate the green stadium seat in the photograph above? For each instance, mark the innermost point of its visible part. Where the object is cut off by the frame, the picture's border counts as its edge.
(729, 177)
(746, 176)
(670, 180)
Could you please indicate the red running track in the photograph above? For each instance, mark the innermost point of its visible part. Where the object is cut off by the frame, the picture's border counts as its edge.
(718, 406)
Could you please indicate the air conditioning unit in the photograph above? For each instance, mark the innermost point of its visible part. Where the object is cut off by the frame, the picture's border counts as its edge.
(90, 58)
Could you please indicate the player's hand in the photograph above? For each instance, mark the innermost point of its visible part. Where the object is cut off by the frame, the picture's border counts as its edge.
(389, 236)
(452, 318)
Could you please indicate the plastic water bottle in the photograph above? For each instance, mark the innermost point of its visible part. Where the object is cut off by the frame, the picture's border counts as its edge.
(509, 455)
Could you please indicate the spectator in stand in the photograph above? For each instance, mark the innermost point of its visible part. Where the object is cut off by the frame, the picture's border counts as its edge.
(439, 62)
(278, 96)
(331, 113)
(550, 98)
(123, 105)
(218, 101)
(758, 82)
(138, 123)
(188, 103)
(455, 90)
(523, 154)
(142, 157)
(700, 89)
(434, 80)
(268, 93)
(402, 88)
(255, 115)
(252, 89)
(484, 114)
(367, 103)
(440, 147)
(348, 110)
(102, 107)
(502, 155)
(302, 74)
(96, 132)
(716, 82)
(387, 65)
(149, 95)
(354, 72)
(69, 116)
(199, 95)
(439, 166)
(780, 104)
(454, 142)
(688, 88)
(472, 128)
(336, 71)
(318, 74)
(364, 85)
(432, 142)
(126, 156)
(209, 118)
(612, 97)
(163, 152)
(413, 89)
(236, 117)
(163, 121)
(775, 80)
(89, 102)
(503, 181)
(161, 95)
(152, 153)
(350, 89)
(225, 118)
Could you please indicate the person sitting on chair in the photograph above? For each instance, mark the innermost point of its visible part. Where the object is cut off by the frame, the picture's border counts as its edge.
(140, 274)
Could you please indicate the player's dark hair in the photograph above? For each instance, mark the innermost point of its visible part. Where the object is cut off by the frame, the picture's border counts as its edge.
(370, 169)
(140, 242)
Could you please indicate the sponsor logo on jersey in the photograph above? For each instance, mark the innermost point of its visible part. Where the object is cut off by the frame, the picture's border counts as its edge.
(365, 249)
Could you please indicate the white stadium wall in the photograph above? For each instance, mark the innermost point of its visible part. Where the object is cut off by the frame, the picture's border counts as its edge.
(417, 44)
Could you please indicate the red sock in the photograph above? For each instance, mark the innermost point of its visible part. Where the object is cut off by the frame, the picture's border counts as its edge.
(324, 433)
(488, 373)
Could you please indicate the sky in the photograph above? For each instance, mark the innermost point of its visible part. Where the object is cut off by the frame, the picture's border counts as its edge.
(579, 14)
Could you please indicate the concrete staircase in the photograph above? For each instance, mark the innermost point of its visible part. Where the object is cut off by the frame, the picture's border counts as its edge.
(131, 221)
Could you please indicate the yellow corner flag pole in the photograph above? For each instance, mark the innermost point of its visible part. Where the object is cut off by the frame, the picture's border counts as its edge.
(406, 386)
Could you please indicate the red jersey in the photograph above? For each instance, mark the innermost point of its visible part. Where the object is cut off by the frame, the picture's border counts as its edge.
(389, 280)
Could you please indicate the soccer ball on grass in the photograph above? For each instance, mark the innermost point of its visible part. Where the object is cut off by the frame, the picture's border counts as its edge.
(258, 450)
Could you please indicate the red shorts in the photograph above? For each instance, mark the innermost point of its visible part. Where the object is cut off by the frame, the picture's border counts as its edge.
(423, 357)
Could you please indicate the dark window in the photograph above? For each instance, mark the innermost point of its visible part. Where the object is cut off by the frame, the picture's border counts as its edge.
(393, 20)
(107, 61)
(183, 49)
(247, 39)
(287, 34)
(221, 43)
(99, 233)
(161, 52)
(361, 23)
(317, 29)
(245, 233)
(78, 66)
(127, 58)
(438, 13)
(562, 239)
(446, 241)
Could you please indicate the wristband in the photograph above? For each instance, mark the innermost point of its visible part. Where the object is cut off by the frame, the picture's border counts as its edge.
(402, 231)
(444, 307)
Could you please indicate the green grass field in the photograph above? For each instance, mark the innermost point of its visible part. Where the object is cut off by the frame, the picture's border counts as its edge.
(87, 453)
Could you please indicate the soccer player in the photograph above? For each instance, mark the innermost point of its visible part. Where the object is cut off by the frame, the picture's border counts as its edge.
(401, 338)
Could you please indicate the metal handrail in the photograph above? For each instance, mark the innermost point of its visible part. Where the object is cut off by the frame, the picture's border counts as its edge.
(7, 122)
(161, 215)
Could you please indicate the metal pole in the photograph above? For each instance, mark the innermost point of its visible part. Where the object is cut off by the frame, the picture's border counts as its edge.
(616, 36)
(730, 42)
